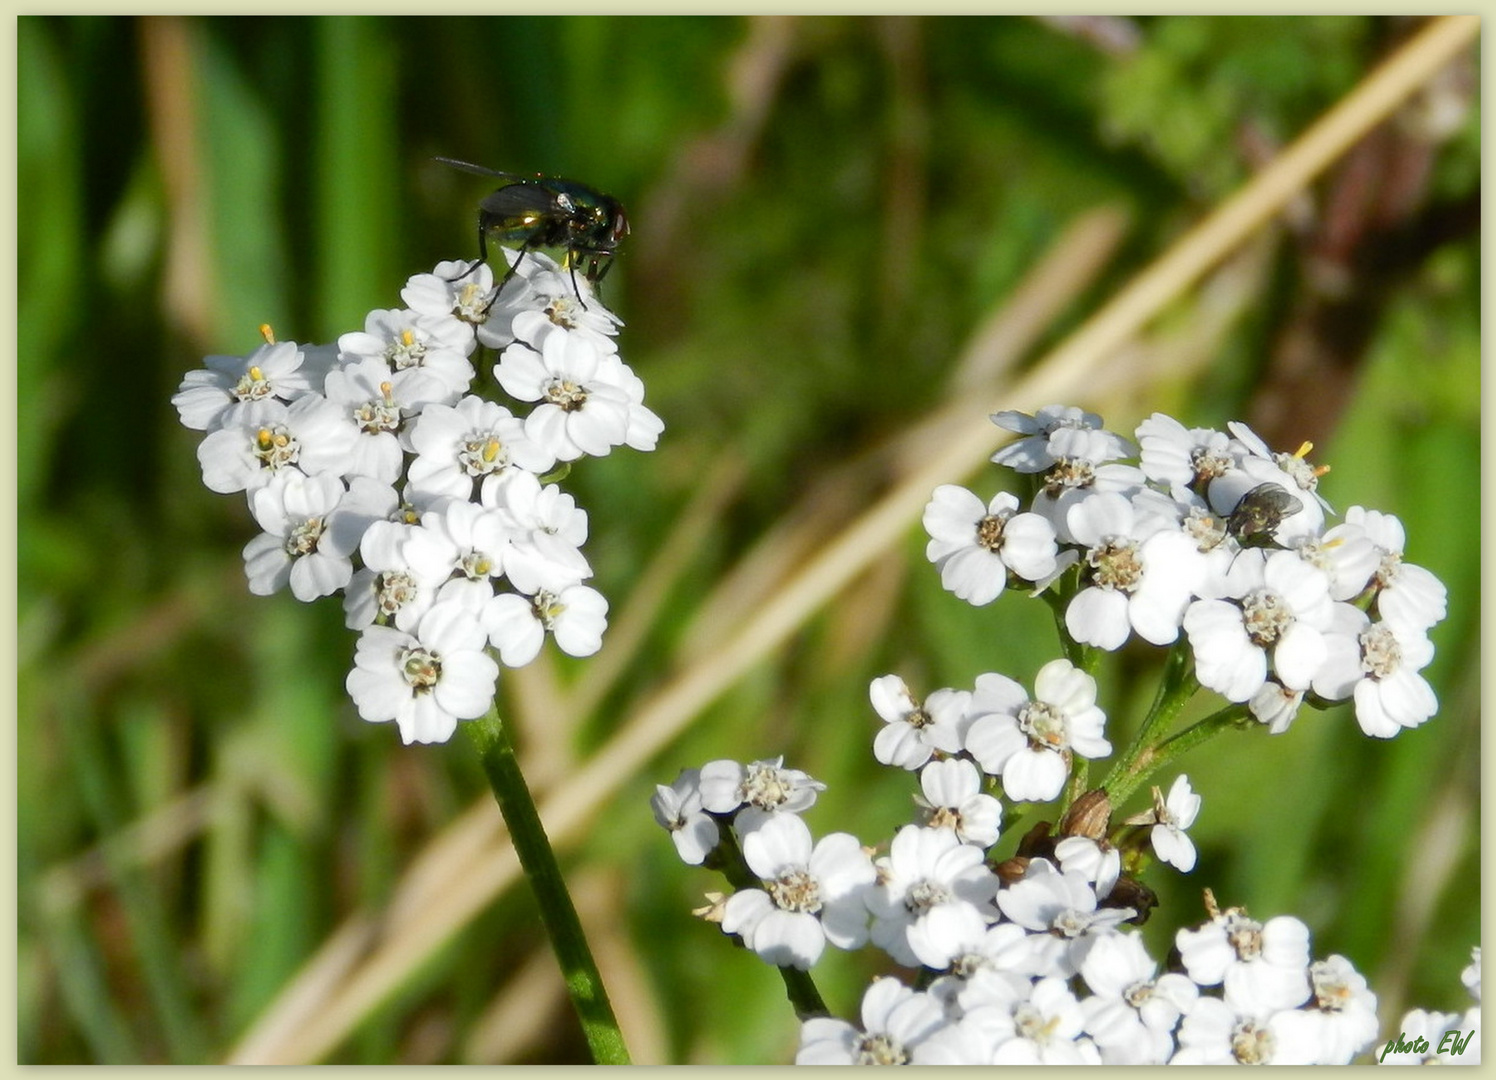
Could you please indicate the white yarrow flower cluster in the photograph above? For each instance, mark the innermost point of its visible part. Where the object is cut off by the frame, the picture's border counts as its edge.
(1031, 956)
(1030, 961)
(374, 470)
(1212, 534)
(999, 944)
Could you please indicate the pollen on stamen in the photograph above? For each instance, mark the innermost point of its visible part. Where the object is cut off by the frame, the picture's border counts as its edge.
(263, 439)
(491, 450)
(387, 392)
(255, 374)
(1304, 448)
(267, 333)
(407, 338)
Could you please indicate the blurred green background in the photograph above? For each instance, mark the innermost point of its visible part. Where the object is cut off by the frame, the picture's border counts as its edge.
(824, 211)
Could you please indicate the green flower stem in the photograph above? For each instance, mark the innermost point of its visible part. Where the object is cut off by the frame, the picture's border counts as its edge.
(1123, 782)
(799, 987)
(1080, 770)
(1058, 597)
(583, 982)
(1176, 687)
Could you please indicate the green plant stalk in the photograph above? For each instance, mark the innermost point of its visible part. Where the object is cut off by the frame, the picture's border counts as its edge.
(1058, 597)
(1175, 688)
(1124, 781)
(799, 987)
(1080, 771)
(559, 914)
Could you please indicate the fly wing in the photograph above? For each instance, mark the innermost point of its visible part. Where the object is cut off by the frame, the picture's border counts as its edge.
(518, 200)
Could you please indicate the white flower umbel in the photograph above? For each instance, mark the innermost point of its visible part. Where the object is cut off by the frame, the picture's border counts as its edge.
(911, 732)
(583, 403)
(547, 530)
(236, 391)
(1340, 1018)
(678, 809)
(373, 453)
(895, 1021)
(1140, 574)
(1172, 454)
(1029, 743)
(460, 289)
(644, 427)
(1405, 594)
(1097, 861)
(1060, 909)
(311, 434)
(999, 950)
(418, 348)
(426, 681)
(370, 449)
(308, 536)
(1215, 1033)
(1377, 664)
(1085, 466)
(763, 785)
(575, 615)
(1025, 958)
(1037, 451)
(1284, 610)
(1169, 818)
(474, 540)
(975, 546)
(932, 890)
(1347, 556)
(954, 800)
(540, 286)
(1046, 1026)
(1275, 705)
(377, 405)
(458, 445)
(1263, 966)
(811, 895)
(1132, 1011)
(404, 566)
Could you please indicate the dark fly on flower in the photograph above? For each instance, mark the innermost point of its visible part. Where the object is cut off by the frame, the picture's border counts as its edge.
(1259, 513)
(549, 212)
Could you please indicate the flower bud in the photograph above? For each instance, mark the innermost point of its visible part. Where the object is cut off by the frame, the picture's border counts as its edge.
(1089, 816)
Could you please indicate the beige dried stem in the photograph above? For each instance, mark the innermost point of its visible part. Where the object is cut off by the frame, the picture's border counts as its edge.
(168, 48)
(290, 1032)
